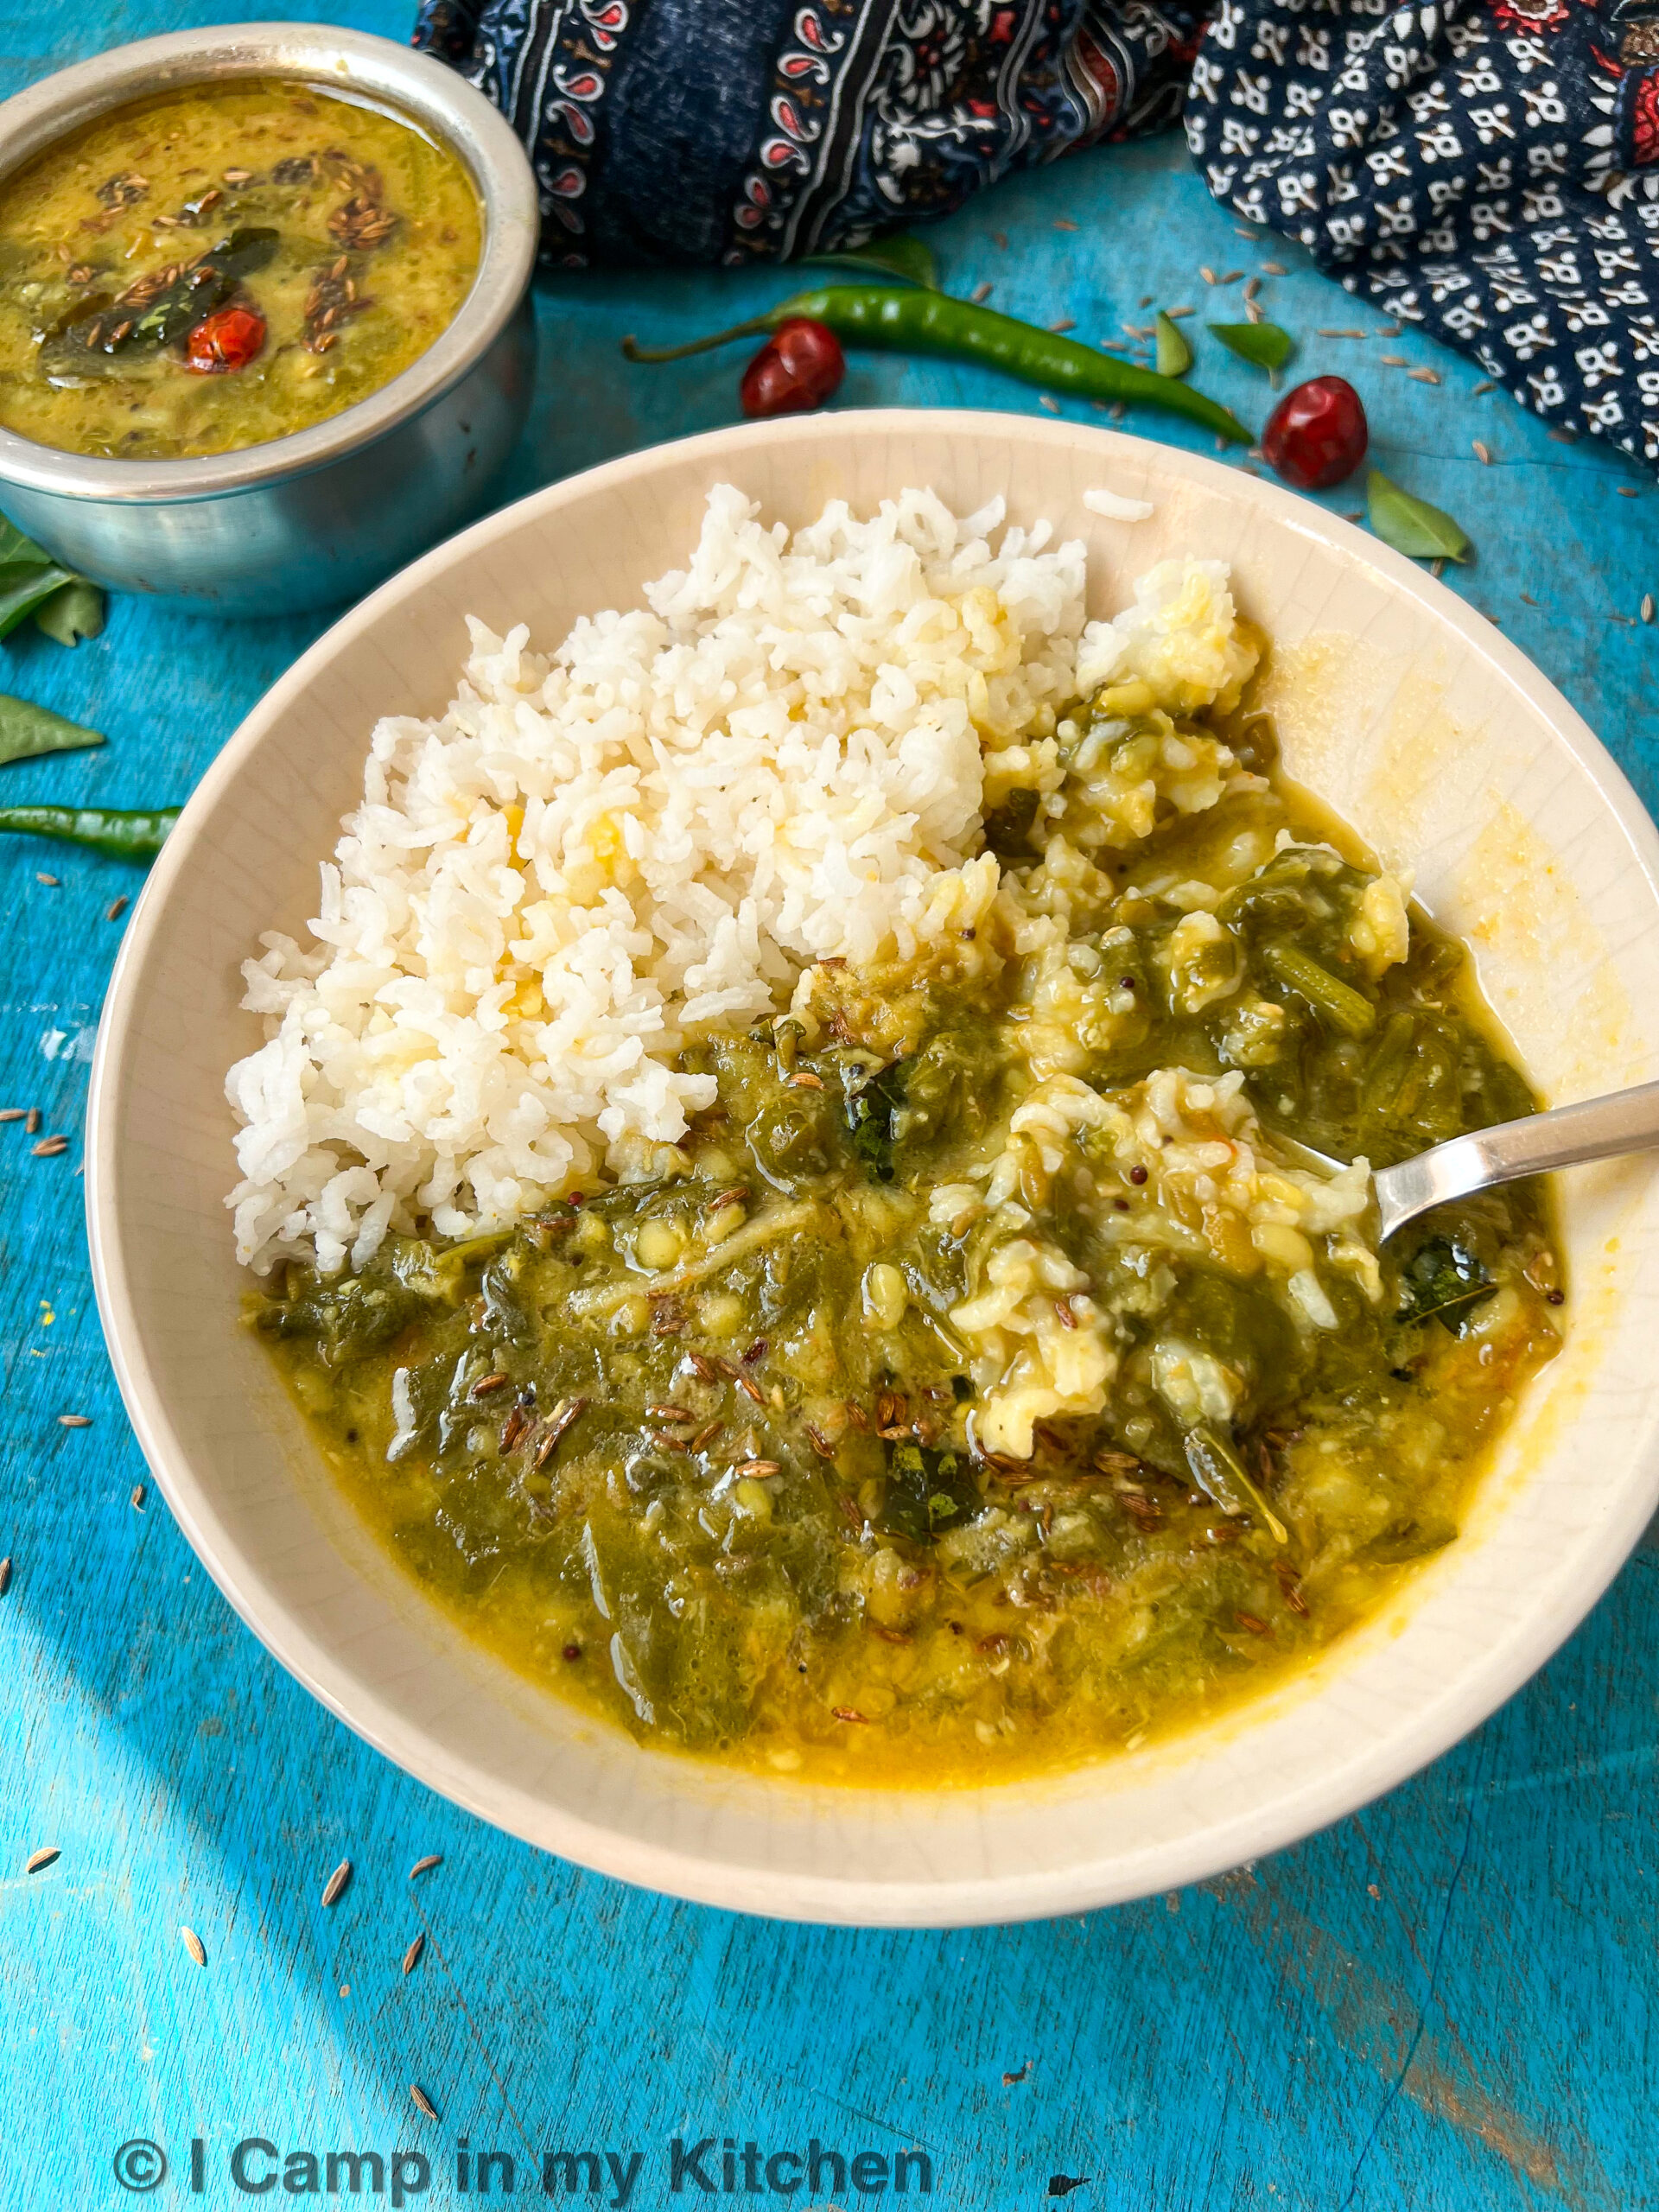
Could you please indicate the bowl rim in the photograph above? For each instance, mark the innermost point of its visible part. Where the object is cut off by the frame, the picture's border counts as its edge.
(430, 95)
(779, 1892)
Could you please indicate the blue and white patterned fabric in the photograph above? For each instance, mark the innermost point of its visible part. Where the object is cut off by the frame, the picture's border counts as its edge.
(1487, 169)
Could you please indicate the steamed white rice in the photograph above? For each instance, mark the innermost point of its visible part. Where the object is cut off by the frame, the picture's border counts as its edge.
(782, 756)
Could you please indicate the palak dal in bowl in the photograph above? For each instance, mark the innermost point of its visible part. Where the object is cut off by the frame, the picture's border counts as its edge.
(429, 1101)
(777, 1169)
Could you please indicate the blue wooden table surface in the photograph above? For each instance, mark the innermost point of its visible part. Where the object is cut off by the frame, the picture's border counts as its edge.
(1445, 2002)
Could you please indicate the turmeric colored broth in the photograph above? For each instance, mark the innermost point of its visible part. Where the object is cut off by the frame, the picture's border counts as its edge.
(349, 234)
(993, 1385)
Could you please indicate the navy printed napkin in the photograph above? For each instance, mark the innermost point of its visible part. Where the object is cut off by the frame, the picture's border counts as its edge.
(1486, 169)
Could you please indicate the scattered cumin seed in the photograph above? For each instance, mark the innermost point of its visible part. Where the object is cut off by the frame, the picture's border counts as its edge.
(566, 1414)
(1239, 231)
(1208, 275)
(11, 1113)
(1063, 1314)
(1111, 345)
(1255, 312)
(702, 1368)
(49, 1148)
(487, 1384)
(1488, 384)
(666, 1440)
(1339, 333)
(1647, 607)
(513, 1427)
(84, 1420)
(754, 1389)
(704, 1435)
(982, 292)
(820, 1442)
(1392, 360)
(1052, 406)
(38, 1860)
(1531, 600)
(1424, 376)
(1565, 437)
(1178, 314)
(804, 1078)
(54, 882)
(1438, 568)
(1274, 269)
(1230, 277)
(848, 1712)
(5, 1574)
(422, 2102)
(1065, 223)
(758, 1468)
(193, 1944)
(1252, 287)
(333, 1888)
(1627, 491)
(425, 1866)
(734, 1196)
(117, 907)
(32, 1123)
(1064, 324)
(136, 1500)
(1483, 453)
(1251, 1621)
(670, 1413)
(412, 1955)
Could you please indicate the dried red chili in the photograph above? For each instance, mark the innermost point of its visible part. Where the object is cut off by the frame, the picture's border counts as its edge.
(796, 370)
(229, 338)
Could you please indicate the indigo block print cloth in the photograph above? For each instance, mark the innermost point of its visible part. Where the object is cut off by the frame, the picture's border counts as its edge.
(1487, 169)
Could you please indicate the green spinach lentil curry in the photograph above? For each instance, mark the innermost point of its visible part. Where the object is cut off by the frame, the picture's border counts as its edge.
(993, 1381)
(223, 264)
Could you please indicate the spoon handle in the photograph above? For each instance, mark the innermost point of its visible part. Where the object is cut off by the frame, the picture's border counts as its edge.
(1626, 1121)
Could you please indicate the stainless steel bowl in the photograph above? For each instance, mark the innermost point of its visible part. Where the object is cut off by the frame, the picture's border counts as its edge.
(317, 517)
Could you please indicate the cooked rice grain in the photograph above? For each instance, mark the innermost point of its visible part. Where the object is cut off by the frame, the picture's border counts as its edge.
(780, 756)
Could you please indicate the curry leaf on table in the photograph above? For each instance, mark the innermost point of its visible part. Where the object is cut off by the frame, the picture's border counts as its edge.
(1174, 356)
(27, 731)
(72, 614)
(63, 603)
(907, 256)
(1410, 524)
(15, 547)
(25, 586)
(1262, 344)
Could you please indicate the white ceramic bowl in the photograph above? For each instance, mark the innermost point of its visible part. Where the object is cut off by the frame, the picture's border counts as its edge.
(1408, 713)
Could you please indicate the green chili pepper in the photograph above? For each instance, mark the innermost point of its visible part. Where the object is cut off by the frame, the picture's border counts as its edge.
(123, 836)
(887, 318)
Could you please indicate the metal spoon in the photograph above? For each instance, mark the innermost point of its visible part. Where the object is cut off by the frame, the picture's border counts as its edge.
(1626, 1121)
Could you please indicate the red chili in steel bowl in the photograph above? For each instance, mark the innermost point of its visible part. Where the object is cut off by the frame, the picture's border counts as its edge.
(800, 365)
(227, 339)
(1317, 435)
